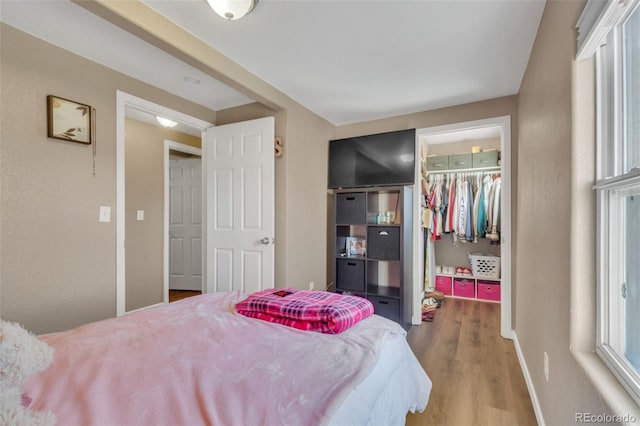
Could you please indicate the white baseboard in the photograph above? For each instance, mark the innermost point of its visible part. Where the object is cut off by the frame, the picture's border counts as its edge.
(144, 307)
(527, 378)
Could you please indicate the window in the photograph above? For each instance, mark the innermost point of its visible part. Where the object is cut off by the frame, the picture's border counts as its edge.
(618, 197)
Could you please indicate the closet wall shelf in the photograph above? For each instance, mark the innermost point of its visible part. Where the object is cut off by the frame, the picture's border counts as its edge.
(475, 169)
(470, 277)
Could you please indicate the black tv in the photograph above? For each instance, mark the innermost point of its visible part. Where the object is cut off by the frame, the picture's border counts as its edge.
(384, 159)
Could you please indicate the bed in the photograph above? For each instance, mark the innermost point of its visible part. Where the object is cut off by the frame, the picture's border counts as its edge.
(198, 362)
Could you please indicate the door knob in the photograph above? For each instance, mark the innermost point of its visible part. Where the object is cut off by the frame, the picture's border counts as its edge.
(265, 241)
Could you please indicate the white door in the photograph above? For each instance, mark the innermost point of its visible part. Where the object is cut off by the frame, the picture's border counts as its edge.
(240, 206)
(185, 224)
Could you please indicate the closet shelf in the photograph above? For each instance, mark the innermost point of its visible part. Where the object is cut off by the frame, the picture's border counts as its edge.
(475, 169)
(469, 277)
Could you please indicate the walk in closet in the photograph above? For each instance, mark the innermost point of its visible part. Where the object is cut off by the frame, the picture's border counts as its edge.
(461, 215)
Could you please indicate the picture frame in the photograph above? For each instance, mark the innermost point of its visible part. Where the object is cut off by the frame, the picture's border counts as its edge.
(356, 246)
(69, 120)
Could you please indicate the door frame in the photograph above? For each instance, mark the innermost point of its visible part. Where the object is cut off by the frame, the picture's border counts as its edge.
(169, 146)
(124, 100)
(504, 122)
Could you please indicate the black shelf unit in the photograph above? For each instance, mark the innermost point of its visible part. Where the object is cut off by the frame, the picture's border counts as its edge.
(382, 217)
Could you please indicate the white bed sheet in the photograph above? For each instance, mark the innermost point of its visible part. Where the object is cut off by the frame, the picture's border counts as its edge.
(397, 384)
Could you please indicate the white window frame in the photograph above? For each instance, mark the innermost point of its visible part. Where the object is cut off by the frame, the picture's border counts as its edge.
(610, 336)
(613, 184)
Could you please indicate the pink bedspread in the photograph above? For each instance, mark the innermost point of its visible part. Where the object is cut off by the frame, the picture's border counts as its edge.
(197, 362)
(306, 310)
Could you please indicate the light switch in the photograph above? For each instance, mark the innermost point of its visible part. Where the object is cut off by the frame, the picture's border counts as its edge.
(140, 215)
(105, 214)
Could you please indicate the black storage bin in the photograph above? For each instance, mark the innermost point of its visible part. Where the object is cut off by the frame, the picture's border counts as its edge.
(350, 275)
(383, 242)
(386, 307)
(351, 208)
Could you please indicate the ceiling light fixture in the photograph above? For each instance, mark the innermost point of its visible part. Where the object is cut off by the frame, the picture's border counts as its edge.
(191, 79)
(166, 122)
(232, 9)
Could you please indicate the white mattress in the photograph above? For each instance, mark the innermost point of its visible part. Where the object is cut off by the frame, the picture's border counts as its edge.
(397, 384)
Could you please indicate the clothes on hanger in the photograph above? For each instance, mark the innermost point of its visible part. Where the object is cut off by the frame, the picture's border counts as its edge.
(465, 205)
(493, 227)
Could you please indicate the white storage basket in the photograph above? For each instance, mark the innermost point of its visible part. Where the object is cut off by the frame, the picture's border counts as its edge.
(485, 266)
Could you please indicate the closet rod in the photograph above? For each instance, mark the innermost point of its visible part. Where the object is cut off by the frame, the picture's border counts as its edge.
(477, 169)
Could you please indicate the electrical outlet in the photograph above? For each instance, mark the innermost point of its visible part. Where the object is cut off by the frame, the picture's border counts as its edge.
(546, 367)
(311, 285)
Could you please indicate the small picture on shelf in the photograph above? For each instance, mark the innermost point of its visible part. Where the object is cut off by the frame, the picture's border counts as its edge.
(356, 246)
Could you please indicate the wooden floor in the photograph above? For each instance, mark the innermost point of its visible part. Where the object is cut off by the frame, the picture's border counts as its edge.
(476, 377)
(181, 294)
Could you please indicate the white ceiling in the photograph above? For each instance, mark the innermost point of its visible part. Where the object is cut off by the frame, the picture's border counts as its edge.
(73, 28)
(348, 61)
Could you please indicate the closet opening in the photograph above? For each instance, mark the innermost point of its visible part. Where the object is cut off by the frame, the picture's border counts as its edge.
(463, 214)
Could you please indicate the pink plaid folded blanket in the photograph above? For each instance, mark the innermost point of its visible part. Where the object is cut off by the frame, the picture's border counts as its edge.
(321, 311)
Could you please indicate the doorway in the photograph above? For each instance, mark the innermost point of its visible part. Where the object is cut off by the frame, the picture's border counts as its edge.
(182, 271)
(238, 203)
(126, 102)
(502, 128)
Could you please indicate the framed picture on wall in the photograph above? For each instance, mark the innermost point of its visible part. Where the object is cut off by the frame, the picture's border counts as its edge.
(68, 120)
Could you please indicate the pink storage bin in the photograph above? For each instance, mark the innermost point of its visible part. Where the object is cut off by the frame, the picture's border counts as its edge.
(464, 288)
(489, 290)
(443, 284)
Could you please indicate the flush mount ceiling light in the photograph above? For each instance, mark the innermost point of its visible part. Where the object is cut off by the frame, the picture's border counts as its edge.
(166, 122)
(232, 9)
(190, 79)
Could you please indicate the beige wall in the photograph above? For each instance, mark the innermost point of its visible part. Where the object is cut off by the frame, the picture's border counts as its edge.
(544, 219)
(83, 290)
(57, 264)
(307, 148)
(456, 114)
(144, 190)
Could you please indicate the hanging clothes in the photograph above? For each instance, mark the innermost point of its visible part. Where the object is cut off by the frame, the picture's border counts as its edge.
(461, 213)
(482, 209)
(426, 260)
(465, 205)
(476, 208)
(445, 202)
(468, 234)
(451, 195)
(493, 227)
